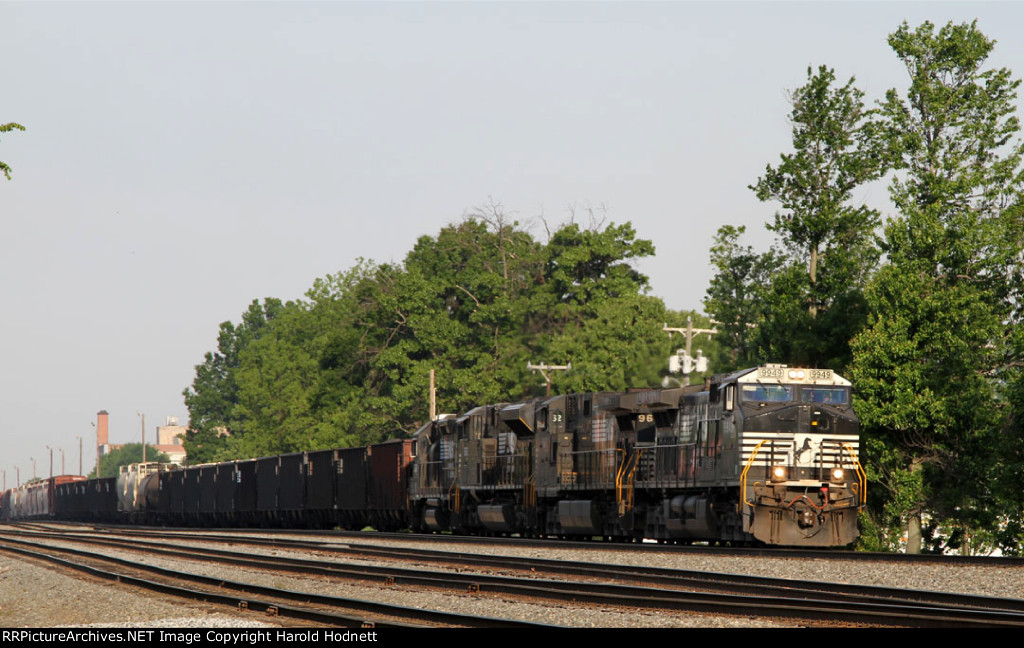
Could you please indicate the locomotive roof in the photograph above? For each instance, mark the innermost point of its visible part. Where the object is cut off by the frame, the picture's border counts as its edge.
(723, 378)
(830, 376)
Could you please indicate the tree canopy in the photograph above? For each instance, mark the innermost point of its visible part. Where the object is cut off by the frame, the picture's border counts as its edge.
(801, 301)
(128, 453)
(350, 363)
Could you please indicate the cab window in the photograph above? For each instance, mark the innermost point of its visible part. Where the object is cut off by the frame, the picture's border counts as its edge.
(767, 393)
(826, 395)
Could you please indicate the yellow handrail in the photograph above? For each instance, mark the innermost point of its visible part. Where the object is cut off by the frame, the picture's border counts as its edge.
(746, 469)
(454, 499)
(862, 478)
(627, 468)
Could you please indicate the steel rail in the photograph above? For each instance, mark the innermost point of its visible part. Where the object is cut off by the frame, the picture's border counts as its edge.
(651, 575)
(766, 597)
(433, 617)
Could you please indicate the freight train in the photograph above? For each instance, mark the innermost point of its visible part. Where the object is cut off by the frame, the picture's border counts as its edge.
(763, 455)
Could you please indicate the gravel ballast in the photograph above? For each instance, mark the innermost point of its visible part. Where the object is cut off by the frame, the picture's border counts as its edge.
(33, 595)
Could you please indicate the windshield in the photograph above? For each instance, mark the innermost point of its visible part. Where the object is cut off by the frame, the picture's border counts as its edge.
(827, 395)
(767, 393)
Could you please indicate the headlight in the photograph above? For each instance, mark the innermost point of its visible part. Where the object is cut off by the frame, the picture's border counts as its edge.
(837, 474)
(779, 473)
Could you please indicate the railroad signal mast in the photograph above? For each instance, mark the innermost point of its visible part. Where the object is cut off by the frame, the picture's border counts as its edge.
(544, 368)
(684, 361)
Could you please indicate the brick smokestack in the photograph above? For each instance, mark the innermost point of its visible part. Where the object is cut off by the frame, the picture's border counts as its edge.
(102, 428)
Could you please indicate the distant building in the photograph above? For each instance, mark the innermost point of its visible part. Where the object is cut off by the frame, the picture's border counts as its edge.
(168, 439)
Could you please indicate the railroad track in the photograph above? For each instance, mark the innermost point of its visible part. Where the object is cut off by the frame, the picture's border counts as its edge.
(682, 549)
(600, 545)
(661, 589)
(273, 601)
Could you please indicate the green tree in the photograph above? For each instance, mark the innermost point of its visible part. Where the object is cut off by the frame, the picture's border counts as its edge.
(814, 306)
(6, 128)
(275, 375)
(1008, 472)
(735, 296)
(350, 363)
(129, 453)
(212, 398)
(606, 326)
(927, 367)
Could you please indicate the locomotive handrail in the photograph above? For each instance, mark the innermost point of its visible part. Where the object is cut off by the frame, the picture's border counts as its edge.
(746, 469)
(862, 478)
(595, 468)
(627, 466)
(454, 496)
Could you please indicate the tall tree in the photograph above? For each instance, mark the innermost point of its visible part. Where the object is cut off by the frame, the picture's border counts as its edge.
(927, 366)
(6, 128)
(829, 240)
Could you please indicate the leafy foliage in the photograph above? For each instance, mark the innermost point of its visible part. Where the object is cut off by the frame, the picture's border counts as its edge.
(802, 301)
(828, 249)
(6, 128)
(928, 367)
(933, 338)
(128, 453)
(350, 364)
(735, 296)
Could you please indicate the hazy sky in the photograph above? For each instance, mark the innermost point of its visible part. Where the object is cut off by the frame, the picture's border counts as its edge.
(182, 159)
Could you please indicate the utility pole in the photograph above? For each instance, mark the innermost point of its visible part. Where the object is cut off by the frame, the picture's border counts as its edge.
(143, 435)
(543, 368)
(433, 397)
(98, 449)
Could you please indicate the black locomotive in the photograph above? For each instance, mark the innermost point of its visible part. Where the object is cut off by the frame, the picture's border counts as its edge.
(767, 454)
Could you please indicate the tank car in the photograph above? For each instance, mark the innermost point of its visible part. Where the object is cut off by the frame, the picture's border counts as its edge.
(135, 485)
